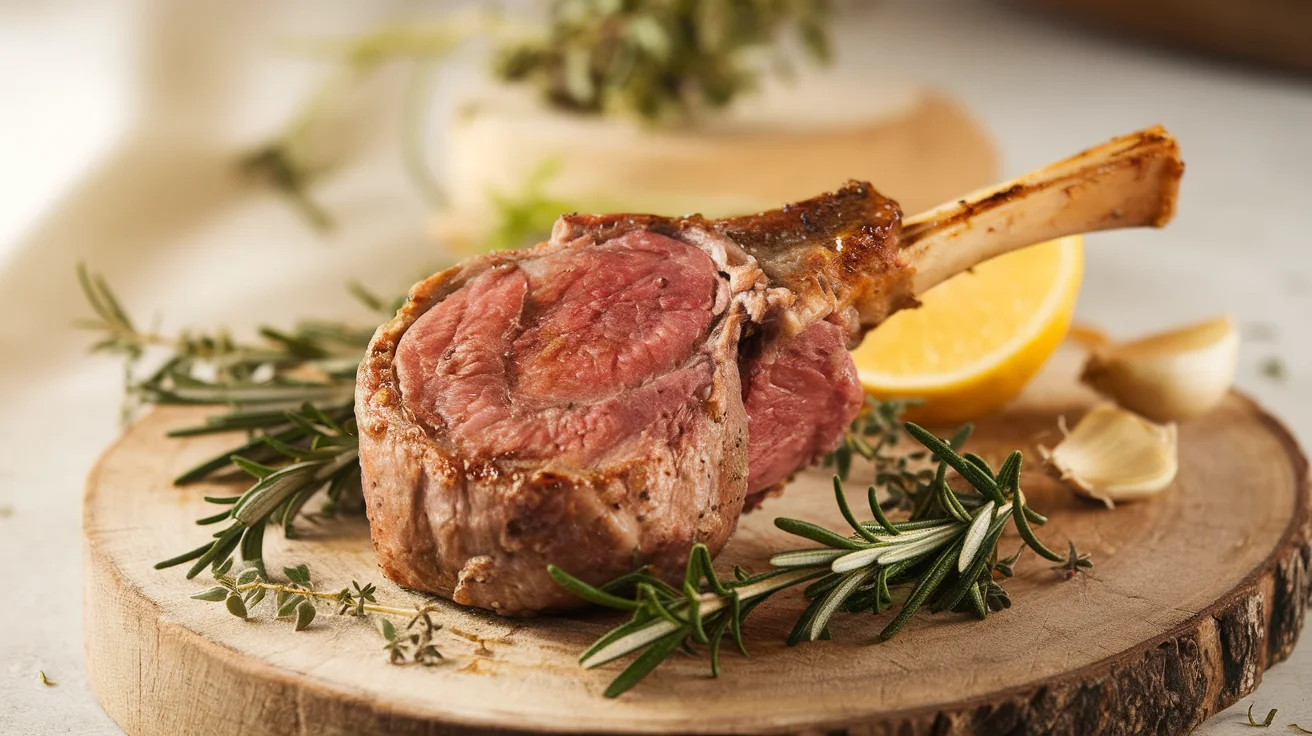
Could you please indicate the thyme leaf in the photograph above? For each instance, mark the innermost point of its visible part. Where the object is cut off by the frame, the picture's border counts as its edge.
(298, 601)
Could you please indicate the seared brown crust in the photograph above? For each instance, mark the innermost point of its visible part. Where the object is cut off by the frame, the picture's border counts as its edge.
(824, 256)
(836, 251)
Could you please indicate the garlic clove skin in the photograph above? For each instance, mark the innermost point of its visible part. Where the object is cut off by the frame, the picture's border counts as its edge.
(1171, 376)
(1114, 455)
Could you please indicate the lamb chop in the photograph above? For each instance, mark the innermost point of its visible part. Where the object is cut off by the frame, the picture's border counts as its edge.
(612, 396)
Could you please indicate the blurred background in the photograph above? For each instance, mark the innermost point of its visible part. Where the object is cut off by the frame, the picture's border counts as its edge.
(239, 162)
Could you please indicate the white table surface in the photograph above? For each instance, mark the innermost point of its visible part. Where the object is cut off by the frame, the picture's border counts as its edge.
(159, 94)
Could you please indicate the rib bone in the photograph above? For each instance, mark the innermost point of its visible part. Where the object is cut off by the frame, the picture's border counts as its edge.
(1129, 181)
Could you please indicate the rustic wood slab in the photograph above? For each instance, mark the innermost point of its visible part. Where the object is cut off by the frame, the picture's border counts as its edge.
(1194, 595)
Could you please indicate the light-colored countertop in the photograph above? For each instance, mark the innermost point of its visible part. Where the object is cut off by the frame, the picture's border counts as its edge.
(95, 167)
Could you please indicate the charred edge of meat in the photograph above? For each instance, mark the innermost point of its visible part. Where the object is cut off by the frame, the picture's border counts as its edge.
(835, 251)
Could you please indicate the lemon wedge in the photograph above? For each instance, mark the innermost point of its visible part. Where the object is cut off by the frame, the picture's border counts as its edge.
(978, 337)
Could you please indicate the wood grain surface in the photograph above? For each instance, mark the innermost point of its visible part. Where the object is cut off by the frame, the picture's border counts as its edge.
(1193, 596)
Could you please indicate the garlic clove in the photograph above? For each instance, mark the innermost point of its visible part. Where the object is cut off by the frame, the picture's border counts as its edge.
(1114, 455)
(1171, 376)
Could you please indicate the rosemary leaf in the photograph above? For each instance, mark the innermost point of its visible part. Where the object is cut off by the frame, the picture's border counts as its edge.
(921, 593)
(1027, 532)
(644, 664)
(846, 510)
(807, 557)
(975, 535)
(588, 592)
(968, 470)
(835, 598)
(1270, 717)
(816, 533)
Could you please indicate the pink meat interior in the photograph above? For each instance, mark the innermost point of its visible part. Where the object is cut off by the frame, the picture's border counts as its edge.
(799, 398)
(572, 355)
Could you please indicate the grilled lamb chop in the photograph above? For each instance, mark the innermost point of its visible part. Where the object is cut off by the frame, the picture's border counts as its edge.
(612, 396)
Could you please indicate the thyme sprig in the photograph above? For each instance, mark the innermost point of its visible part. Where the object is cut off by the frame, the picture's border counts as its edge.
(876, 435)
(291, 393)
(296, 601)
(944, 561)
(413, 644)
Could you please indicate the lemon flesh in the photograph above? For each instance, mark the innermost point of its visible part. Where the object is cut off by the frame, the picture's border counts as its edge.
(978, 337)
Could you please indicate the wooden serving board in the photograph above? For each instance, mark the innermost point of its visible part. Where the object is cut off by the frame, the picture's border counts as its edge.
(1193, 596)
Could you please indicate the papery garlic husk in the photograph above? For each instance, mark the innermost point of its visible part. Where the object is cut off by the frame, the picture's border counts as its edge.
(1115, 455)
(1171, 376)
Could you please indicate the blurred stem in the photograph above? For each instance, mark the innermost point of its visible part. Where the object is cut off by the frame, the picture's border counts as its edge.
(414, 124)
(286, 162)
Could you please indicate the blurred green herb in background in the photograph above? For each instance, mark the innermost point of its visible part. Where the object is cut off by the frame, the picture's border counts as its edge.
(525, 217)
(662, 61)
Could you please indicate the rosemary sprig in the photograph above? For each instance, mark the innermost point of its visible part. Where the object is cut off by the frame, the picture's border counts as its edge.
(319, 451)
(291, 394)
(944, 561)
(315, 361)
(666, 619)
